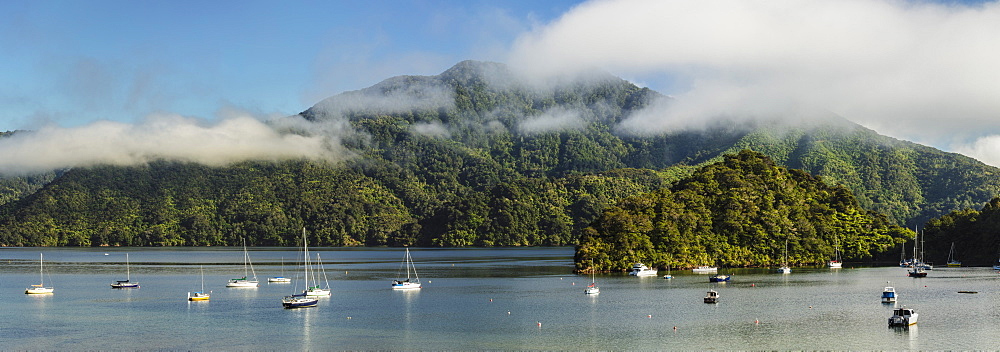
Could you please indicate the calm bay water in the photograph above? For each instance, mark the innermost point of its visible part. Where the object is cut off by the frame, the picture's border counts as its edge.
(473, 299)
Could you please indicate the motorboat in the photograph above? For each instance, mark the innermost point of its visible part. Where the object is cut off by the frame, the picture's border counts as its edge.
(712, 296)
(705, 269)
(916, 271)
(903, 317)
(640, 269)
(889, 294)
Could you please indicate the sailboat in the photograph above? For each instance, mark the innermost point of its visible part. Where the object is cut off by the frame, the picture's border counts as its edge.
(247, 265)
(280, 279)
(668, 276)
(916, 270)
(200, 295)
(398, 284)
(317, 290)
(835, 263)
(952, 262)
(785, 269)
(127, 283)
(592, 289)
(40, 288)
(302, 300)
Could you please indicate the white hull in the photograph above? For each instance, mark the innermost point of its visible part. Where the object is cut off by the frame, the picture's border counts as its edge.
(647, 272)
(282, 280)
(243, 284)
(784, 270)
(835, 265)
(318, 292)
(639, 269)
(592, 291)
(705, 270)
(39, 290)
(406, 286)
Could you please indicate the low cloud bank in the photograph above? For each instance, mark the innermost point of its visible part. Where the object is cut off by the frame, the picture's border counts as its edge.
(169, 137)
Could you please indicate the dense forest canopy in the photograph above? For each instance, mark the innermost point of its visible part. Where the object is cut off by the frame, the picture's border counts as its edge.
(974, 234)
(474, 156)
(738, 212)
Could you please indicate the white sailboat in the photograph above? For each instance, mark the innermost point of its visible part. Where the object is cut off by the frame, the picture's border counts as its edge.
(398, 284)
(592, 289)
(952, 262)
(317, 290)
(127, 283)
(280, 279)
(302, 300)
(835, 263)
(40, 288)
(785, 269)
(310, 275)
(200, 295)
(245, 281)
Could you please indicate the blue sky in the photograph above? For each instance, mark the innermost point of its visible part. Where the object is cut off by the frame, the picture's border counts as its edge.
(72, 62)
(123, 79)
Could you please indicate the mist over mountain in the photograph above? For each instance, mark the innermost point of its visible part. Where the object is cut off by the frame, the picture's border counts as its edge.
(477, 155)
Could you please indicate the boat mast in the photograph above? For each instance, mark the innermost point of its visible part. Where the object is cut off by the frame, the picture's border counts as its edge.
(41, 274)
(128, 275)
(305, 254)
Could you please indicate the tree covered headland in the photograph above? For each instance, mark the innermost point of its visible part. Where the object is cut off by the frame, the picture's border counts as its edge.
(975, 234)
(474, 156)
(739, 212)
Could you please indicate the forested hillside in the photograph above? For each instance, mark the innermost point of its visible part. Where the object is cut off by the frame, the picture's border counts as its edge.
(974, 233)
(738, 212)
(474, 156)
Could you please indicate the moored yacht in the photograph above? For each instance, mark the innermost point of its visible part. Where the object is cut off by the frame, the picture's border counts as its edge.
(903, 317)
(889, 294)
(712, 296)
(640, 269)
(705, 269)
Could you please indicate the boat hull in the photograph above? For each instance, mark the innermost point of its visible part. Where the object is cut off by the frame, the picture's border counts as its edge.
(316, 292)
(705, 270)
(125, 284)
(299, 302)
(39, 291)
(198, 296)
(280, 280)
(720, 278)
(406, 286)
(243, 283)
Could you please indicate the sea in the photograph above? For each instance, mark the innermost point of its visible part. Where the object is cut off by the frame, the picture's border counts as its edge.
(473, 299)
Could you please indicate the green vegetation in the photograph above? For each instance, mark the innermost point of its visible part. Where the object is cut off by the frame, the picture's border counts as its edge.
(739, 212)
(486, 176)
(973, 232)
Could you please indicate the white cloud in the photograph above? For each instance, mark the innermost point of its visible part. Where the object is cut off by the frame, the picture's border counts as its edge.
(553, 120)
(434, 129)
(170, 137)
(910, 69)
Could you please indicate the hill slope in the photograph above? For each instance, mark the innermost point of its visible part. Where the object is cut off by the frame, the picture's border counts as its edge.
(738, 212)
(473, 156)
